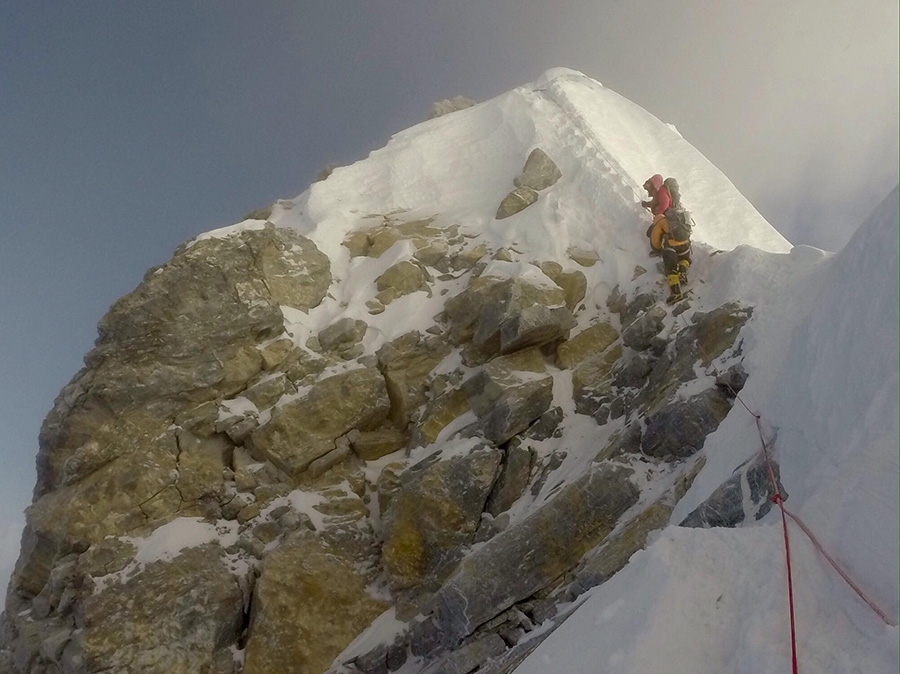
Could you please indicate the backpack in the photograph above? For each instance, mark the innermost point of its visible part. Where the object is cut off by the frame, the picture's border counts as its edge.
(680, 224)
(680, 221)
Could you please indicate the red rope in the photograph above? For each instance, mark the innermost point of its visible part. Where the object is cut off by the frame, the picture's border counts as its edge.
(779, 500)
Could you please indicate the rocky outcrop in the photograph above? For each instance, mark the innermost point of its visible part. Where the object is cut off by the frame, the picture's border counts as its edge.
(430, 482)
(435, 513)
(310, 602)
(539, 173)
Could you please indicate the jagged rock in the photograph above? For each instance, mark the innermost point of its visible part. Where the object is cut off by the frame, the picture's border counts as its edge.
(302, 430)
(499, 316)
(224, 293)
(266, 392)
(169, 617)
(591, 381)
(680, 428)
(574, 283)
(401, 279)
(308, 605)
(469, 656)
(435, 254)
(406, 363)
(633, 373)
(730, 504)
(640, 333)
(448, 407)
(468, 258)
(275, 352)
(389, 484)
(436, 512)
(545, 427)
(709, 336)
(539, 173)
(615, 552)
(512, 481)
(509, 393)
(200, 465)
(590, 341)
(530, 555)
(514, 202)
(341, 333)
(372, 445)
(732, 380)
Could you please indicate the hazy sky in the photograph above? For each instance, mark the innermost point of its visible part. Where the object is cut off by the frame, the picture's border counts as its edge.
(128, 127)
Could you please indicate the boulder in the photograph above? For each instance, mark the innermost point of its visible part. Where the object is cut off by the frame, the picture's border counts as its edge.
(593, 340)
(302, 430)
(539, 173)
(172, 616)
(372, 445)
(403, 278)
(448, 105)
(445, 409)
(509, 393)
(592, 381)
(499, 316)
(514, 202)
(309, 604)
(436, 512)
(679, 429)
(639, 335)
(341, 333)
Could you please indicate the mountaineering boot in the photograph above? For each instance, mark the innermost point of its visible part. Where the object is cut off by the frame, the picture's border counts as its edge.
(675, 293)
(683, 266)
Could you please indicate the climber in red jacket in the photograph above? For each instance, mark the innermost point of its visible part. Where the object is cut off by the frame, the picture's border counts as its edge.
(660, 199)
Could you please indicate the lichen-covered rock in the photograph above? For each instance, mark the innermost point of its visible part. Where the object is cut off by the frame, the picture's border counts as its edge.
(593, 340)
(539, 173)
(530, 555)
(439, 414)
(170, 617)
(342, 332)
(509, 393)
(406, 363)
(435, 514)
(517, 200)
(309, 604)
(302, 430)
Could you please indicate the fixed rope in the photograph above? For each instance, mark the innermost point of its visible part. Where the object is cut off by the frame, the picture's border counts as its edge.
(778, 499)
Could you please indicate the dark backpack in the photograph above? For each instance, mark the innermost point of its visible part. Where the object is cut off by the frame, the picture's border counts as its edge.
(680, 222)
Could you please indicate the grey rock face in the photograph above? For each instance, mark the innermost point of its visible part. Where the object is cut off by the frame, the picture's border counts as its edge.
(302, 430)
(169, 618)
(728, 505)
(539, 173)
(341, 333)
(435, 513)
(509, 393)
(512, 481)
(680, 428)
(641, 332)
(500, 316)
(527, 557)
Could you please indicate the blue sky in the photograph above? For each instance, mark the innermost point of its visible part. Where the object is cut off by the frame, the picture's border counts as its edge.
(127, 128)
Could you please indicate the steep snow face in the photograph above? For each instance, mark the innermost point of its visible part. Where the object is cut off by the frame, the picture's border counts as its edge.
(822, 350)
(460, 167)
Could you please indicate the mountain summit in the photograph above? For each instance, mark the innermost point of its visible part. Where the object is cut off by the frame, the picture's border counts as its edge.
(434, 416)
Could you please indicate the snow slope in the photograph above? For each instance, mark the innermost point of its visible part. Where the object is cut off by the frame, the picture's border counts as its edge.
(698, 601)
(821, 349)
